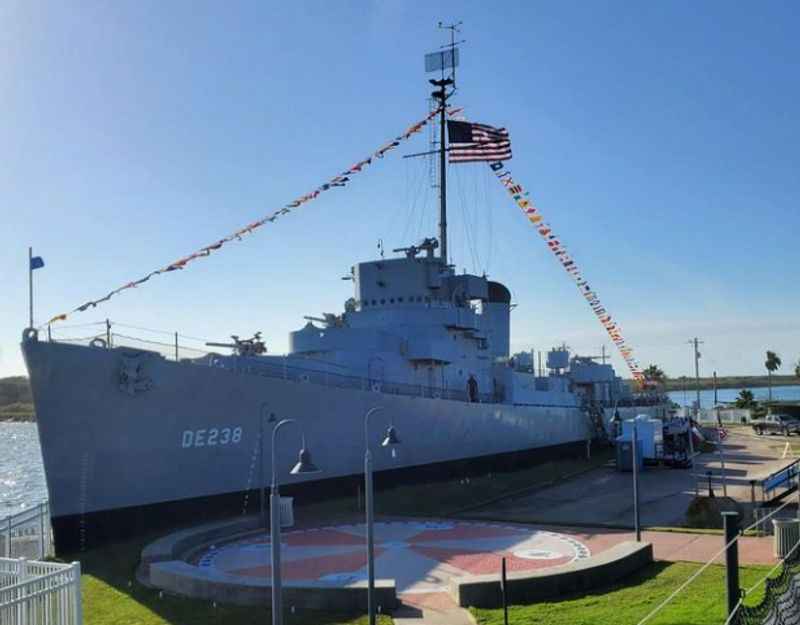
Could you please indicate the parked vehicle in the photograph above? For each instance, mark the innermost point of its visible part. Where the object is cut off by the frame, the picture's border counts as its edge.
(776, 424)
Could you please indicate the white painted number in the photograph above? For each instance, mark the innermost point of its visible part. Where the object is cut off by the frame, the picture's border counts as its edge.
(211, 437)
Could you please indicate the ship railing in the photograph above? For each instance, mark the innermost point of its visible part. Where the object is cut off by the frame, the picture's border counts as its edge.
(280, 369)
(171, 345)
(27, 534)
(40, 593)
(191, 349)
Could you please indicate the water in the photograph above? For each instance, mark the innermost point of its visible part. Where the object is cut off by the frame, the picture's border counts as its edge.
(730, 395)
(22, 483)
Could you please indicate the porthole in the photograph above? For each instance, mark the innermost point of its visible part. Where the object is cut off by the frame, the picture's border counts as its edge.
(400, 299)
(383, 301)
(391, 300)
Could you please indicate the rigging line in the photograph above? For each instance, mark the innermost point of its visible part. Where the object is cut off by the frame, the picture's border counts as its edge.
(417, 184)
(464, 216)
(165, 332)
(476, 221)
(80, 325)
(490, 217)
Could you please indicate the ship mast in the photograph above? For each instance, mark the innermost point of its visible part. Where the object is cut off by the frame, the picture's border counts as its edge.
(441, 95)
(447, 59)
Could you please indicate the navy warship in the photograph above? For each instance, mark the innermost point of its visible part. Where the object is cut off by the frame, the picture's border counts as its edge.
(129, 435)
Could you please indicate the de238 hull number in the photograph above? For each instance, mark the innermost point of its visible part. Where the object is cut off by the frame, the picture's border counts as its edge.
(211, 437)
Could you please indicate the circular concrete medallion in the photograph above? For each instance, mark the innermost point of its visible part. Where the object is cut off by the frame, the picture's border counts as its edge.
(421, 556)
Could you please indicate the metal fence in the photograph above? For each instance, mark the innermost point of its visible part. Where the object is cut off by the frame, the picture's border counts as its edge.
(40, 593)
(27, 534)
(716, 415)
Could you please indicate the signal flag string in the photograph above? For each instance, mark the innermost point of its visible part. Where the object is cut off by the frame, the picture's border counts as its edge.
(337, 181)
(523, 200)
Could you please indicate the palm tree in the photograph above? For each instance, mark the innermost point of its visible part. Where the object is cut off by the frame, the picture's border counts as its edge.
(653, 373)
(773, 363)
(745, 399)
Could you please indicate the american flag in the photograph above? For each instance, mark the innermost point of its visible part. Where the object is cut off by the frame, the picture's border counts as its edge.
(477, 142)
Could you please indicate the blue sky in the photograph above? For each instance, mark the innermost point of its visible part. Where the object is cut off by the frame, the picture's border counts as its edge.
(659, 139)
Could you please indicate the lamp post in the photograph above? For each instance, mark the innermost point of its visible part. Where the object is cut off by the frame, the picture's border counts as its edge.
(262, 508)
(303, 466)
(389, 441)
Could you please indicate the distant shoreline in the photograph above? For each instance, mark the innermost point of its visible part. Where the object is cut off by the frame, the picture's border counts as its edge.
(18, 418)
(728, 382)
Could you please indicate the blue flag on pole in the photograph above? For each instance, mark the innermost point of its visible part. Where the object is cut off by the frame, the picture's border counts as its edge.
(37, 262)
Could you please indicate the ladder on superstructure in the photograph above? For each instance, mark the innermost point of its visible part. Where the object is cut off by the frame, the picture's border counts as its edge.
(597, 425)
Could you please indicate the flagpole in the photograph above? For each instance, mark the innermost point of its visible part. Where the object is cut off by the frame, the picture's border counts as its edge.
(30, 287)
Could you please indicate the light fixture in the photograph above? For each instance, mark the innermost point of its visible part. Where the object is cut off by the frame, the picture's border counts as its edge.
(391, 437)
(304, 463)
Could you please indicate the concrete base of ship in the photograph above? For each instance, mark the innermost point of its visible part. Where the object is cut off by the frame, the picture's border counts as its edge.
(76, 533)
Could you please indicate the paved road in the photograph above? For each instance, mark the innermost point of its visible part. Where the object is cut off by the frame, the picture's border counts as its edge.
(603, 496)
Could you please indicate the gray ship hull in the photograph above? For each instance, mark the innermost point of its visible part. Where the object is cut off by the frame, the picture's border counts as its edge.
(182, 431)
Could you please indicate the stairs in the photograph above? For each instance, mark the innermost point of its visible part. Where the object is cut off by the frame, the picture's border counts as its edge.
(597, 424)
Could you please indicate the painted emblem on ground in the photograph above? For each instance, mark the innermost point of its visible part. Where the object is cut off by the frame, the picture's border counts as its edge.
(421, 556)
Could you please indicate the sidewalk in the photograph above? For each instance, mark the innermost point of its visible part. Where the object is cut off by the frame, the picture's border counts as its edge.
(677, 546)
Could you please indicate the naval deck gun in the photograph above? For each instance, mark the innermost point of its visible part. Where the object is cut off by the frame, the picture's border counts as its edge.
(253, 346)
(428, 245)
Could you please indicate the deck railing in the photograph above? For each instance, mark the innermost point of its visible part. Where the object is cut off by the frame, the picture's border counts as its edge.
(27, 534)
(40, 593)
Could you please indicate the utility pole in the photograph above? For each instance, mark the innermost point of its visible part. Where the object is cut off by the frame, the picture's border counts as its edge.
(715, 389)
(695, 342)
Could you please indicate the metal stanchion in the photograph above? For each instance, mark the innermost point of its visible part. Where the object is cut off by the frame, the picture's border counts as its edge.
(504, 593)
(733, 592)
(635, 462)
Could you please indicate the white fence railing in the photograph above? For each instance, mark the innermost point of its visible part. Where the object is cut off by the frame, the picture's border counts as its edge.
(710, 415)
(27, 534)
(40, 593)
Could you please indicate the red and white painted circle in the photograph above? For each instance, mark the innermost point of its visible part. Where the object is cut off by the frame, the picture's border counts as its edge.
(421, 556)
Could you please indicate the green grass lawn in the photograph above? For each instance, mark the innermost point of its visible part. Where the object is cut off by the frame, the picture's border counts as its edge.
(111, 596)
(702, 603)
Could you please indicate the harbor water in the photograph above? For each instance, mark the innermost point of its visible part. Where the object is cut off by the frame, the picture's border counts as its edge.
(724, 395)
(22, 483)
